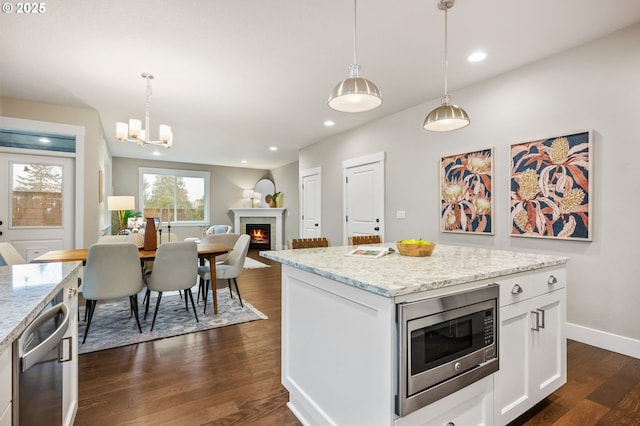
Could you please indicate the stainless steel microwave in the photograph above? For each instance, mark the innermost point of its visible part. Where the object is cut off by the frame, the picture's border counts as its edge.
(445, 344)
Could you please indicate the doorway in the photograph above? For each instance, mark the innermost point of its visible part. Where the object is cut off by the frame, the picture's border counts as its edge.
(40, 209)
(364, 196)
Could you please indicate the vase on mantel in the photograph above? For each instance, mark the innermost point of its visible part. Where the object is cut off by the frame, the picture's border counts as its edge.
(279, 200)
(150, 238)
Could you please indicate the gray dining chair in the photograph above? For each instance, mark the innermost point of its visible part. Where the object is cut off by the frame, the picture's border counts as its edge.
(112, 271)
(228, 270)
(9, 255)
(174, 268)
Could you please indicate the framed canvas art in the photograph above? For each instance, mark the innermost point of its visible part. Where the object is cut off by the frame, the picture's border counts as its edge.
(466, 199)
(551, 187)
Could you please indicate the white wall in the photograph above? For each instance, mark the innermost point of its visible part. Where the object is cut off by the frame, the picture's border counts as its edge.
(592, 87)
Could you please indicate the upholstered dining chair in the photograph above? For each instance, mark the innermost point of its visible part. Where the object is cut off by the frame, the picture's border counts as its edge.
(228, 270)
(299, 243)
(9, 255)
(175, 268)
(219, 229)
(355, 240)
(112, 271)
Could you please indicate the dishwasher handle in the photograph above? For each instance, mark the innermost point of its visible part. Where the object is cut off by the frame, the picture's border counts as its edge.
(35, 355)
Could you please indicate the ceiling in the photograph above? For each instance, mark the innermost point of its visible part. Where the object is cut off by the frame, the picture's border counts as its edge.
(235, 77)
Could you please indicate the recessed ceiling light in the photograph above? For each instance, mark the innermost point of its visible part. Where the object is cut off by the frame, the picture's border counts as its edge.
(243, 161)
(45, 140)
(329, 123)
(273, 148)
(477, 56)
(156, 153)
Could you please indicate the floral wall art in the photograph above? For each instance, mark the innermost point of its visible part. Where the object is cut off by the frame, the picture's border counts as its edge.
(551, 188)
(466, 200)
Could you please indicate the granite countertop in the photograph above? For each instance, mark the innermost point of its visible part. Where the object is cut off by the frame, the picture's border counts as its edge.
(24, 291)
(395, 275)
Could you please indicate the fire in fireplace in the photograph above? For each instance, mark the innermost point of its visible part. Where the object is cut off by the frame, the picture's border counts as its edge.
(260, 234)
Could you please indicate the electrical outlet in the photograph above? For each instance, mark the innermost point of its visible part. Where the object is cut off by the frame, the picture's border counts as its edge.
(400, 214)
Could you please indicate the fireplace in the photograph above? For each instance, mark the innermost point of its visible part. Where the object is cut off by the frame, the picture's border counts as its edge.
(260, 234)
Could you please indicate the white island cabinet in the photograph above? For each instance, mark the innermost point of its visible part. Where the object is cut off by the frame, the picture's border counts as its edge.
(25, 290)
(533, 351)
(339, 332)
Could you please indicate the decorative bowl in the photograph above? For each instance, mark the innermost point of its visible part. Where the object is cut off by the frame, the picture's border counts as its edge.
(416, 250)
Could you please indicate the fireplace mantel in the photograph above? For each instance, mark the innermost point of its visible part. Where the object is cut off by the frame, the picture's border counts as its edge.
(274, 213)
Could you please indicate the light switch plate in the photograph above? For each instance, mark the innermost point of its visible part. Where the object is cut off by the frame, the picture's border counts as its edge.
(400, 214)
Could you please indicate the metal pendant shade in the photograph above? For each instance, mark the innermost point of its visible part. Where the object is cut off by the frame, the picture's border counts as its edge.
(355, 93)
(447, 116)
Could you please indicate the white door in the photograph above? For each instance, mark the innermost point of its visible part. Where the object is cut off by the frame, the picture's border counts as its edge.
(311, 203)
(37, 203)
(364, 196)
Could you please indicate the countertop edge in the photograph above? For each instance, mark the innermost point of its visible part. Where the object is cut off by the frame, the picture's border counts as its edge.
(12, 335)
(426, 286)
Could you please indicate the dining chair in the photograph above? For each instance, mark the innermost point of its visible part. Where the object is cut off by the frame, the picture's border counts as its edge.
(228, 270)
(9, 255)
(175, 268)
(300, 243)
(355, 240)
(112, 271)
(219, 229)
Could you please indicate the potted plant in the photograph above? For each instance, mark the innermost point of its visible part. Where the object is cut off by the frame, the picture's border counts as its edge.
(274, 200)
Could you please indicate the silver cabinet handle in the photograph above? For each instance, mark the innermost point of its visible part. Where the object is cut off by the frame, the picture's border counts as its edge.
(516, 289)
(542, 322)
(537, 326)
(552, 280)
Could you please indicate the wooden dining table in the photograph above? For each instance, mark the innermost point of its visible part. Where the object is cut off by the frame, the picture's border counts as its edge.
(205, 252)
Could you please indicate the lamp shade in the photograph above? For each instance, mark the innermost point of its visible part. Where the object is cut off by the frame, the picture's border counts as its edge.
(121, 202)
(446, 117)
(355, 94)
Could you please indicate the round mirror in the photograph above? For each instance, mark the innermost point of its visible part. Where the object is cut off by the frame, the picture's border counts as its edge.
(264, 187)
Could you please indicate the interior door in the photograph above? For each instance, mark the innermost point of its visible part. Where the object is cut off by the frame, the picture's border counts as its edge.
(311, 201)
(37, 203)
(364, 196)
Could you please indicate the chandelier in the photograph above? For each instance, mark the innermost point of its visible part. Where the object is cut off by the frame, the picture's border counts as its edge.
(133, 132)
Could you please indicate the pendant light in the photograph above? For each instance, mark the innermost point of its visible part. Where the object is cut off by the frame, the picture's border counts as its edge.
(355, 94)
(447, 116)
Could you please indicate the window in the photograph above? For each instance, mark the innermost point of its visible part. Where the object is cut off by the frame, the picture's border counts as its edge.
(36, 195)
(176, 196)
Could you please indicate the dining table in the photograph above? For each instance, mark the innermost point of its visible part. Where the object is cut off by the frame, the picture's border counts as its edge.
(205, 252)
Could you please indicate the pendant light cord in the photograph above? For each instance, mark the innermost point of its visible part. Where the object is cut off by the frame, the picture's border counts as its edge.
(446, 62)
(355, 31)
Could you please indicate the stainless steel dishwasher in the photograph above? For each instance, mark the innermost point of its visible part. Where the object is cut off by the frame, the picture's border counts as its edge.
(38, 368)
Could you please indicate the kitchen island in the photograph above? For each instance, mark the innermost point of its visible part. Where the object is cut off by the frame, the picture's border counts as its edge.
(339, 333)
(25, 290)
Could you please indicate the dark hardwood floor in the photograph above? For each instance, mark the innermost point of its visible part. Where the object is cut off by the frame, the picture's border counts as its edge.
(231, 376)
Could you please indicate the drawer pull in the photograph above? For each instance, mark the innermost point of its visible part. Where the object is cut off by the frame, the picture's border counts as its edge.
(552, 280)
(516, 289)
(537, 324)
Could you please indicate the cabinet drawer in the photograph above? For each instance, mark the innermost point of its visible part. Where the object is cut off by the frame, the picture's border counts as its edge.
(516, 288)
(550, 279)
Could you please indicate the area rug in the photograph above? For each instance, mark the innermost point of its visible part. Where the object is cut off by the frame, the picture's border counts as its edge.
(250, 263)
(113, 326)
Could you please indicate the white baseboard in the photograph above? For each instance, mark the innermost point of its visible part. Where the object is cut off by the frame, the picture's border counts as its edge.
(602, 339)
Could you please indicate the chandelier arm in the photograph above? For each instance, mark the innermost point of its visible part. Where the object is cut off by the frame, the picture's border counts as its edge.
(146, 117)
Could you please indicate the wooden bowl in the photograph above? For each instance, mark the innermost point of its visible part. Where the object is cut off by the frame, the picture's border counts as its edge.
(416, 250)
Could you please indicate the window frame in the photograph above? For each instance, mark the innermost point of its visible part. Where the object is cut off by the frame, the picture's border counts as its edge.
(176, 173)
